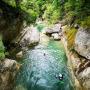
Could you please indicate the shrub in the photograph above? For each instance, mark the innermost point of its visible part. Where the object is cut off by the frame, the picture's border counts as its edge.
(70, 17)
(67, 7)
(86, 22)
(51, 14)
(55, 16)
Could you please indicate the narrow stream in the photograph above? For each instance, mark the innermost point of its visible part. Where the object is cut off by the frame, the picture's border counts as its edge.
(40, 67)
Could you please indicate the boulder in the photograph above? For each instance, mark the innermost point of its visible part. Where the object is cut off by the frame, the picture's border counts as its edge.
(56, 36)
(55, 29)
(29, 36)
(82, 42)
(48, 31)
(84, 78)
(8, 71)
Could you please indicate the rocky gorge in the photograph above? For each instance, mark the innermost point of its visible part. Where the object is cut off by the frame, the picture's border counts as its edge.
(78, 58)
(78, 61)
(44, 50)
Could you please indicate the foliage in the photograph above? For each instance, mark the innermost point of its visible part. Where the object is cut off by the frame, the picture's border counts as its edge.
(10, 2)
(2, 49)
(51, 15)
(67, 7)
(86, 22)
(52, 10)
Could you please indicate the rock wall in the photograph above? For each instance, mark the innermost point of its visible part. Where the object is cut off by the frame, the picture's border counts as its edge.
(10, 30)
(29, 36)
(79, 64)
(8, 71)
(82, 42)
(11, 22)
(71, 65)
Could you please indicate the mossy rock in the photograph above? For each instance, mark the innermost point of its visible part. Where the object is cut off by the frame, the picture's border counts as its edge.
(70, 34)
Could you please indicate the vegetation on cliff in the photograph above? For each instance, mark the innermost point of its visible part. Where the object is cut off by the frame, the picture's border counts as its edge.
(53, 10)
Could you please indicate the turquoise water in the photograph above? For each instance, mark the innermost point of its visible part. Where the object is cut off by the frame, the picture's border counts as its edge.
(41, 65)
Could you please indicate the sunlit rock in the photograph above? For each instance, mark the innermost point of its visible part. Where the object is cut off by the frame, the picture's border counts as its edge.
(82, 42)
(34, 36)
(54, 29)
(56, 36)
(28, 37)
(57, 28)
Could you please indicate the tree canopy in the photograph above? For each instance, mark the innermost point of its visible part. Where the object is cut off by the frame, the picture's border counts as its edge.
(52, 10)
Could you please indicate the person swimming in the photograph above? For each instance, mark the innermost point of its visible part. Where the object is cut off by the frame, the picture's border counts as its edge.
(60, 76)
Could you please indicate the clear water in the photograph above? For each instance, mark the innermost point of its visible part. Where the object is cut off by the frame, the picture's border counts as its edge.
(41, 65)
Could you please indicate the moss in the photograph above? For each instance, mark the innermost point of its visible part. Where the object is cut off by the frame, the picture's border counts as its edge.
(70, 34)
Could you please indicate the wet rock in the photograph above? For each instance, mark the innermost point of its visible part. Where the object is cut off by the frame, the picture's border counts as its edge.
(82, 42)
(8, 71)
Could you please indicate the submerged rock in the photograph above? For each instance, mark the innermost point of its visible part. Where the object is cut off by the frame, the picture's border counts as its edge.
(82, 42)
(8, 71)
